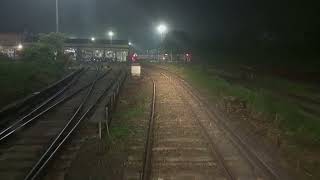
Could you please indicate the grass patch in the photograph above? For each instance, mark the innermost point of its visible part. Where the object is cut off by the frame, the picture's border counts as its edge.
(130, 110)
(292, 121)
(300, 132)
(38, 66)
(119, 132)
(20, 78)
(133, 112)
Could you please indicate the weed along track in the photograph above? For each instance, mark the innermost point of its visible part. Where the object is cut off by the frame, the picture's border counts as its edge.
(186, 142)
(149, 142)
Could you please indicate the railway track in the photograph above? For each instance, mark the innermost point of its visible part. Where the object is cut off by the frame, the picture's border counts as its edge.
(28, 145)
(44, 107)
(186, 141)
(28, 117)
(146, 167)
(103, 95)
(259, 160)
(24, 108)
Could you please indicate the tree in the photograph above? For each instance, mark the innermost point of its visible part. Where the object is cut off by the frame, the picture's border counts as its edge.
(54, 41)
(48, 48)
(177, 42)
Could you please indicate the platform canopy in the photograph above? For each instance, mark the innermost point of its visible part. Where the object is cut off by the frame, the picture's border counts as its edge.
(97, 43)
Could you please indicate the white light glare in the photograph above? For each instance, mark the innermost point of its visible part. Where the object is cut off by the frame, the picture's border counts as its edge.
(93, 39)
(162, 28)
(20, 47)
(110, 33)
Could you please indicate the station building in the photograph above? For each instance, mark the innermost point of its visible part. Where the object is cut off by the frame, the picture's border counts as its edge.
(97, 50)
(9, 43)
(77, 49)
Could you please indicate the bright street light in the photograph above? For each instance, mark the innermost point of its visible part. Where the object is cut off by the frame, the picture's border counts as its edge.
(130, 43)
(93, 39)
(110, 34)
(162, 28)
(20, 47)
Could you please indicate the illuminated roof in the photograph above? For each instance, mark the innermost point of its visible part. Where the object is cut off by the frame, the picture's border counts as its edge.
(97, 43)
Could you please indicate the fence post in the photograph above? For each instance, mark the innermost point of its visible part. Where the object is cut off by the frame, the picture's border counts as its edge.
(100, 130)
(118, 87)
(114, 99)
(106, 120)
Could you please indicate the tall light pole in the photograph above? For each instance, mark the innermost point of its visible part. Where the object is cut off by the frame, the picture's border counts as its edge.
(111, 34)
(162, 30)
(57, 16)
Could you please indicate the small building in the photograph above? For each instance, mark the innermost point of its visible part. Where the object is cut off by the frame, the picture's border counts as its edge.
(77, 49)
(9, 43)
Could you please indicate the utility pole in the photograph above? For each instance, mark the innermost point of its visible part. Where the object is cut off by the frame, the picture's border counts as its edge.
(57, 16)
(160, 46)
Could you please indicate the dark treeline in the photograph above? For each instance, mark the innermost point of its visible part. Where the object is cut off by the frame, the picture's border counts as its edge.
(267, 48)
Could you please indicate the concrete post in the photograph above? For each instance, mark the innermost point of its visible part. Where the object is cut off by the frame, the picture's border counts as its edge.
(100, 130)
(114, 99)
(106, 120)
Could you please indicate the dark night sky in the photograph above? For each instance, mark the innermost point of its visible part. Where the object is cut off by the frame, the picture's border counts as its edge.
(136, 19)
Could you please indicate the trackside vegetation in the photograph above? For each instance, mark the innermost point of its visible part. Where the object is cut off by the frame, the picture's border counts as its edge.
(299, 130)
(293, 122)
(39, 65)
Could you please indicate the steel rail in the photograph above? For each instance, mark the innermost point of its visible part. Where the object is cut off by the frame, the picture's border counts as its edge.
(149, 142)
(213, 146)
(22, 103)
(22, 124)
(244, 148)
(36, 109)
(35, 168)
(61, 138)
